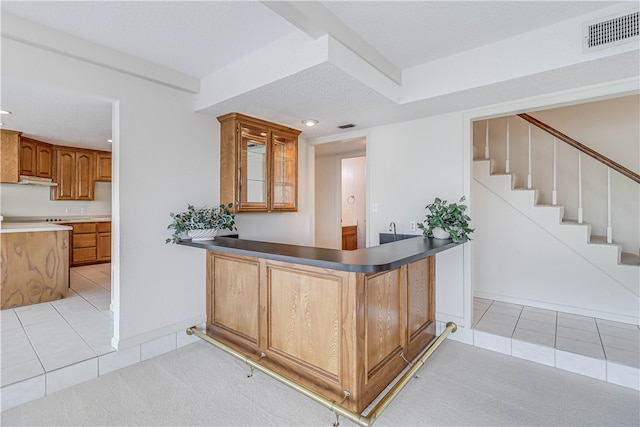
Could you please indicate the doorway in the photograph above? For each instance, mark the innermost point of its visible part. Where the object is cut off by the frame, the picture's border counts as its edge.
(353, 202)
(330, 196)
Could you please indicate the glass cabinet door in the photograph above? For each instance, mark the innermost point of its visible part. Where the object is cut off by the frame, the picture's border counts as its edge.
(252, 169)
(284, 194)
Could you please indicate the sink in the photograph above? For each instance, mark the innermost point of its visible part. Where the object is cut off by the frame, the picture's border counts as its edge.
(388, 237)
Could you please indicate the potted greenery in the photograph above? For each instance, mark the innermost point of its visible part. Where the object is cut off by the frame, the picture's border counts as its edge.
(447, 221)
(201, 223)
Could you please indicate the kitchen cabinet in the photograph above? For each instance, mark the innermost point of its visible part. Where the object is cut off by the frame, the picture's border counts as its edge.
(74, 171)
(90, 243)
(103, 241)
(36, 158)
(350, 238)
(103, 166)
(258, 164)
(9, 156)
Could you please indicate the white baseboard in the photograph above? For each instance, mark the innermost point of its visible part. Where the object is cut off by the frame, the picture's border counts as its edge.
(124, 343)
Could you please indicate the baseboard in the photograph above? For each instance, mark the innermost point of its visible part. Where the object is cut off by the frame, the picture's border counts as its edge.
(181, 326)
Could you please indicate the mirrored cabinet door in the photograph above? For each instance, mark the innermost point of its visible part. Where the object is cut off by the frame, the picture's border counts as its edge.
(284, 192)
(253, 170)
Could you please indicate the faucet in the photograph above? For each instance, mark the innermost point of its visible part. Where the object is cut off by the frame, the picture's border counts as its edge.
(392, 227)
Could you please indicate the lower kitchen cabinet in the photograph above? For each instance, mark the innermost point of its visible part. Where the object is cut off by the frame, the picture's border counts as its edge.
(104, 241)
(90, 243)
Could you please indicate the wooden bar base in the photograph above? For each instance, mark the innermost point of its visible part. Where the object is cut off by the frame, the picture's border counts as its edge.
(335, 332)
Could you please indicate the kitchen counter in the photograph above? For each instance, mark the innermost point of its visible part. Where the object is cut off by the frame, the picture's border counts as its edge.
(367, 260)
(30, 227)
(57, 218)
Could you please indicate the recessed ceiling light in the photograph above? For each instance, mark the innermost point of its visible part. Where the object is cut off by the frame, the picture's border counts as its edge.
(5, 112)
(109, 141)
(310, 122)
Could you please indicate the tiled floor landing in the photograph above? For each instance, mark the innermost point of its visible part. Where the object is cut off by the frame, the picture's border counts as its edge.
(602, 349)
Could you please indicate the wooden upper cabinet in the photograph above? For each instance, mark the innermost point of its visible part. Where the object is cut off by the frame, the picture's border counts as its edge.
(9, 156)
(103, 166)
(36, 158)
(258, 164)
(85, 175)
(74, 172)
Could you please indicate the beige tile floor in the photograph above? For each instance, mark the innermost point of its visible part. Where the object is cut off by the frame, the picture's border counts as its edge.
(47, 337)
(585, 336)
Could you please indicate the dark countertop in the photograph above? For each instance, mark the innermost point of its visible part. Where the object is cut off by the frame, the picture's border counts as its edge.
(368, 260)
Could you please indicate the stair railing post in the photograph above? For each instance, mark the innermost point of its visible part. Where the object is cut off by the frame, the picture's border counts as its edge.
(579, 187)
(486, 141)
(609, 229)
(506, 165)
(529, 175)
(554, 193)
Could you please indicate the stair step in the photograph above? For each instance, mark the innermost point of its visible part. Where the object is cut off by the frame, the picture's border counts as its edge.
(599, 240)
(627, 258)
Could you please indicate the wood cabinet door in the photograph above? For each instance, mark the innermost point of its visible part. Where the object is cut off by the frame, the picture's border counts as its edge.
(104, 246)
(103, 166)
(28, 157)
(284, 172)
(65, 173)
(9, 156)
(44, 160)
(84, 176)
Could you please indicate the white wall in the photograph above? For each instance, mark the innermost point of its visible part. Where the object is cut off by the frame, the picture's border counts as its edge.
(164, 156)
(409, 164)
(33, 200)
(517, 261)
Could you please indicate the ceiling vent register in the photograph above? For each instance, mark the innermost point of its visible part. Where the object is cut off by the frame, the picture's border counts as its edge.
(618, 29)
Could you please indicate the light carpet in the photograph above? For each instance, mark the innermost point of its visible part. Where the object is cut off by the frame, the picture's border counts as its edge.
(460, 385)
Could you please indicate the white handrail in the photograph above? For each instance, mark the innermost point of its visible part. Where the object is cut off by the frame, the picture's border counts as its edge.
(486, 139)
(529, 175)
(609, 229)
(554, 192)
(579, 187)
(506, 164)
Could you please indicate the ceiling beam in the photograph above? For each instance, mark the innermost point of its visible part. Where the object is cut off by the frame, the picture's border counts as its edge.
(316, 20)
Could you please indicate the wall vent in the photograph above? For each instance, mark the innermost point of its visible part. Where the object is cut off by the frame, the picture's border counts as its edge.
(612, 31)
(350, 125)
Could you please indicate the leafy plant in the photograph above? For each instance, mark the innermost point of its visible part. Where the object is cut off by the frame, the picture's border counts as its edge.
(448, 216)
(201, 219)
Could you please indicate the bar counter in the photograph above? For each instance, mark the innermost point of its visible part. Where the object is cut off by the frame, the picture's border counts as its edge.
(367, 260)
(340, 323)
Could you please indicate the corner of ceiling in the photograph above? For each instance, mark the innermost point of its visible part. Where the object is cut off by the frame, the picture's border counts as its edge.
(28, 32)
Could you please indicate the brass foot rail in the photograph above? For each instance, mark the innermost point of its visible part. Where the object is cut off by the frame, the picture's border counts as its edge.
(364, 421)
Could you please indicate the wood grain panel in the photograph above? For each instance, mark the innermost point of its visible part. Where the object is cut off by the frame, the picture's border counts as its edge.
(305, 317)
(418, 296)
(35, 267)
(103, 166)
(235, 296)
(9, 156)
(384, 323)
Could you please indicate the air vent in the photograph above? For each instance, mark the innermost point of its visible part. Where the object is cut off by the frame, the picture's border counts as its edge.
(347, 126)
(612, 31)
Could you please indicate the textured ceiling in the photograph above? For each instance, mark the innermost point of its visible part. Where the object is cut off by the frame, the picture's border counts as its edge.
(199, 37)
(411, 33)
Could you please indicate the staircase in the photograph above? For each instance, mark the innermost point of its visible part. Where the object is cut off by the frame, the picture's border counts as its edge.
(614, 270)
